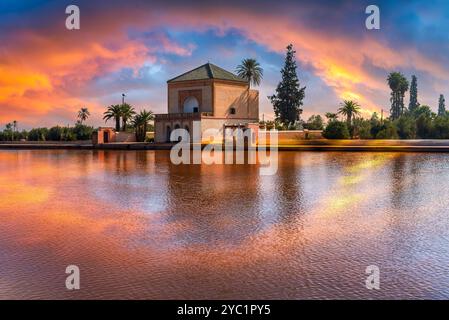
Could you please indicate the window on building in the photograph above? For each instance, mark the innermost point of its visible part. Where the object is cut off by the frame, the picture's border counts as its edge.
(191, 104)
(167, 134)
(232, 110)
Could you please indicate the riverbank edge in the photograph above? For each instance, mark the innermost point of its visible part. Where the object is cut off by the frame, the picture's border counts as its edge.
(319, 145)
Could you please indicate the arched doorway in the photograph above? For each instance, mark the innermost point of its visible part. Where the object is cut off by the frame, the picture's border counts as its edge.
(177, 126)
(106, 137)
(191, 105)
(167, 134)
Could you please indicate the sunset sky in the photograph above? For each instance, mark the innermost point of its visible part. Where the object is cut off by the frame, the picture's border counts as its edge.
(48, 72)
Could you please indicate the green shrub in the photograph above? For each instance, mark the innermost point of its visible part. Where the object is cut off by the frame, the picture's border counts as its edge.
(68, 134)
(440, 128)
(315, 122)
(336, 130)
(423, 126)
(23, 135)
(387, 131)
(38, 134)
(55, 133)
(361, 128)
(83, 132)
(406, 127)
(365, 130)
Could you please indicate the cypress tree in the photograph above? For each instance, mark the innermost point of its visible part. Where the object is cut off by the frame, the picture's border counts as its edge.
(441, 106)
(413, 95)
(287, 101)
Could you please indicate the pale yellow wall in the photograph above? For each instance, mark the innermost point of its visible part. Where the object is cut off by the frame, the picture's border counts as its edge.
(203, 125)
(211, 123)
(173, 91)
(159, 131)
(161, 128)
(254, 104)
(227, 96)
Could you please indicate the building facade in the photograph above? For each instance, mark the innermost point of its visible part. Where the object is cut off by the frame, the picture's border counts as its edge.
(108, 135)
(214, 97)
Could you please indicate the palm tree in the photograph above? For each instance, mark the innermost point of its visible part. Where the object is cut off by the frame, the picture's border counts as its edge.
(127, 112)
(140, 122)
(114, 112)
(398, 85)
(250, 70)
(83, 114)
(331, 116)
(14, 128)
(349, 109)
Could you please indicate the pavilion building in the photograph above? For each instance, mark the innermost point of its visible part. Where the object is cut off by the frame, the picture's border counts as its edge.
(214, 97)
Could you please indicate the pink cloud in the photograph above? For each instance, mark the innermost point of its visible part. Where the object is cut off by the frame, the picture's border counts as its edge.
(39, 68)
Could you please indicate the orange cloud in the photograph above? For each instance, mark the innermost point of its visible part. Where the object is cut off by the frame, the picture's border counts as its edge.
(42, 72)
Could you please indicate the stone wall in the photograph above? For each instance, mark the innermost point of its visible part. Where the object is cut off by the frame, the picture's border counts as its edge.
(125, 137)
(291, 137)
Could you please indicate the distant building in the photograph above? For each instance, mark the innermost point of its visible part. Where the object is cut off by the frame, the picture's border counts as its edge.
(108, 135)
(211, 95)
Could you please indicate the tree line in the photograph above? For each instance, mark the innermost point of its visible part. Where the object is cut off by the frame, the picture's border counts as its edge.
(79, 131)
(414, 121)
(125, 116)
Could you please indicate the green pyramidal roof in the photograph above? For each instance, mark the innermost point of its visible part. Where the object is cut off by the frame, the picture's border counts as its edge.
(207, 71)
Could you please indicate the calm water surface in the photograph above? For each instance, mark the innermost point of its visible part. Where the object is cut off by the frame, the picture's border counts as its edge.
(139, 227)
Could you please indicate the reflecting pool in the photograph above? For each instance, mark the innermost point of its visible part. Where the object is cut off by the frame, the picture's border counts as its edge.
(139, 227)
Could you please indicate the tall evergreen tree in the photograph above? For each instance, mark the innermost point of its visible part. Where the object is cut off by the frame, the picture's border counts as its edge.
(441, 106)
(413, 95)
(287, 101)
(398, 85)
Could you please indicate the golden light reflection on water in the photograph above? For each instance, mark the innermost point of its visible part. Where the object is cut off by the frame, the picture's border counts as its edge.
(16, 194)
(158, 230)
(356, 174)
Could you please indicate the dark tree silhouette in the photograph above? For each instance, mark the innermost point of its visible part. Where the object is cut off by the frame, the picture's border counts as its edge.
(287, 101)
(413, 104)
(441, 106)
(399, 86)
